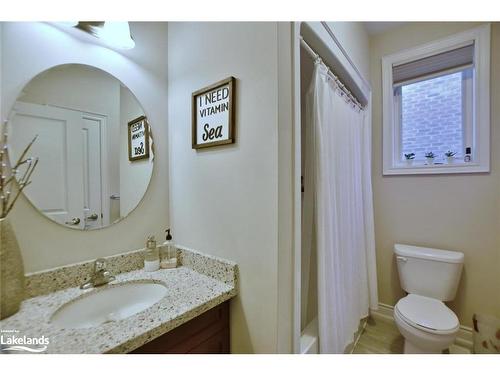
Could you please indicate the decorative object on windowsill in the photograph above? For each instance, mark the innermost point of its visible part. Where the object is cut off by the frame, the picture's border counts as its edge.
(467, 157)
(409, 158)
(213, 115)
(429, 156)
(138, 139)
(11, 261)
(450, 156)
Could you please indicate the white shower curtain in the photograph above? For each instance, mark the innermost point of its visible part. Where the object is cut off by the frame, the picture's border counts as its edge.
(337, 181)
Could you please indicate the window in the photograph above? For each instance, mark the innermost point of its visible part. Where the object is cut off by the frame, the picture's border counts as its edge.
(436, 103)
(433, 116)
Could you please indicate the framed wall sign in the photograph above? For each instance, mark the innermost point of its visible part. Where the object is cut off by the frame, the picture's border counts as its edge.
(213, 114)
(138, 139)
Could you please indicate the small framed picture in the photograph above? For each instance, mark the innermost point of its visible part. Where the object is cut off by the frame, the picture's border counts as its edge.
(213, 114)
(138, 139)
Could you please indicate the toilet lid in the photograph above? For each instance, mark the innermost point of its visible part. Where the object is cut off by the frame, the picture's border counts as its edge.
(427, 313)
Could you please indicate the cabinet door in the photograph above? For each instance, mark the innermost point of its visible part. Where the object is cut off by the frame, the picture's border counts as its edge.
(206, 334)
(216, 344)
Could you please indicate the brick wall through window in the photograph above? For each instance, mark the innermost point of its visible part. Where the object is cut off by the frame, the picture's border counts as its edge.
(432, 117)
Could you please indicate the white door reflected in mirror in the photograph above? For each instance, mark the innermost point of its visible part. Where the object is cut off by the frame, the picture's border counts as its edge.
(84, 178)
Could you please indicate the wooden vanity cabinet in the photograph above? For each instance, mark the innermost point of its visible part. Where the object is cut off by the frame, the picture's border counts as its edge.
(205, 334)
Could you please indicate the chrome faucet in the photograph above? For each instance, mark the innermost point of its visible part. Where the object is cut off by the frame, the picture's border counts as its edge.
(100, 276)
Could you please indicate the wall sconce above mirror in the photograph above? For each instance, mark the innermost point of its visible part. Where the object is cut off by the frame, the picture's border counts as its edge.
(94, 145)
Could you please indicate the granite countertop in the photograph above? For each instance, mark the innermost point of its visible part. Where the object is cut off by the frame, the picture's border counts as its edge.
(199, 284)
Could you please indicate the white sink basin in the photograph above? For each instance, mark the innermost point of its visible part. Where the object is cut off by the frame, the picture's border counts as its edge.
(109, 304)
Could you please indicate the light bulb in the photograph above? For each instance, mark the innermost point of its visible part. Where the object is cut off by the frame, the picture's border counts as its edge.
(115, 34)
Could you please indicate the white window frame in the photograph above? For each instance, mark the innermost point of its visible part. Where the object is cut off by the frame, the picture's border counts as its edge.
(392, 164)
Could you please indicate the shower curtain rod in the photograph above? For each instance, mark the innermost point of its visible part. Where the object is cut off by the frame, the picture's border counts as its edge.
(342, 87)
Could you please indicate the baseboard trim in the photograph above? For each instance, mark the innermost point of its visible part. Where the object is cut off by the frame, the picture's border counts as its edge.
(361, 327)
(386, 312)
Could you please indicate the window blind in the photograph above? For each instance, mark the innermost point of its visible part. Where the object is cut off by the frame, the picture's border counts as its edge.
(455, 58)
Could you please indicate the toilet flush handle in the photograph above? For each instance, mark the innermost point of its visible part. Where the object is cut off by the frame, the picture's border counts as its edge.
(401, 259)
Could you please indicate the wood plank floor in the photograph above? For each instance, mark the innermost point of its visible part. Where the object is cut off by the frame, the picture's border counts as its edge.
(381, 336)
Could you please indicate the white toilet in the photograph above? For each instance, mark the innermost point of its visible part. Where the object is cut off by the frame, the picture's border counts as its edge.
(430, 276)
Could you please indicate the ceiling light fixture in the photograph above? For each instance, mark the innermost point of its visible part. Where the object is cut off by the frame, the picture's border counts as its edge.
(67, 23)
(113, 34)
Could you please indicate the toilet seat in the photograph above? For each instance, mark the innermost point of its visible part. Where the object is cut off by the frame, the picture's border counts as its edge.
(427, 314)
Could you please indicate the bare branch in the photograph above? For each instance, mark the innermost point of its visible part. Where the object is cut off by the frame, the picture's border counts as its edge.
(25, 152)
(8, 173)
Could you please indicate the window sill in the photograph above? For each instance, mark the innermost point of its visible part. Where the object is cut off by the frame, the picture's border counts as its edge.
(422, 168)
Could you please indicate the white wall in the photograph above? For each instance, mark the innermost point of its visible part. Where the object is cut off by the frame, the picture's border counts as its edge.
(98, 92)
(134, 175)
(30, 48)
(355, 40)
(224, 200)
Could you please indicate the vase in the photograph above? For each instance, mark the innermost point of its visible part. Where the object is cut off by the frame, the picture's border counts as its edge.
(11, 271)
(430, 161)
(450, 159)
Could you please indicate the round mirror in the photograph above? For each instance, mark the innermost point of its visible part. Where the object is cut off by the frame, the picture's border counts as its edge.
(94, 145)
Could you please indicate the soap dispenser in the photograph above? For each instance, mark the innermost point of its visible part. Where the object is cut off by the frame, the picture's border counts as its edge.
(152, 257)
(169, 259)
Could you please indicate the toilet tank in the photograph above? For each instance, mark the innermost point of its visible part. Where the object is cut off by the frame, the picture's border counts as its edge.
(429, 272)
